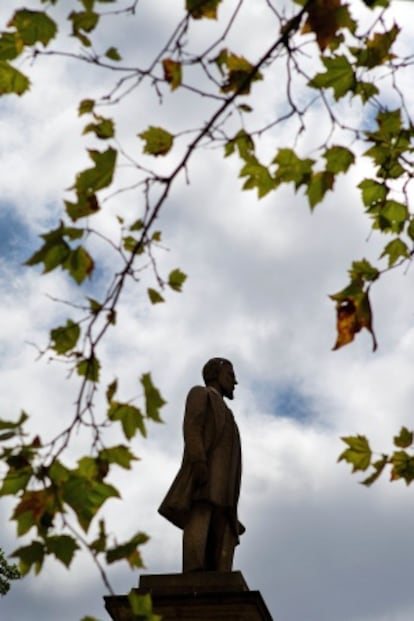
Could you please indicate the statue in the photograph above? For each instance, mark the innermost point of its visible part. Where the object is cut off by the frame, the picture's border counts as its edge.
(203, 497)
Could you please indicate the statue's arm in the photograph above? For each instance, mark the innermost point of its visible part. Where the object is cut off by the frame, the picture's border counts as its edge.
(194, 423)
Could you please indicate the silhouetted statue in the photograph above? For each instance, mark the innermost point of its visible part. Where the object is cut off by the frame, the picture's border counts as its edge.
(203, 497)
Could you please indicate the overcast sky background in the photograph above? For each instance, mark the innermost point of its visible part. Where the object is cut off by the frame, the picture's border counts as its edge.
(318, 546)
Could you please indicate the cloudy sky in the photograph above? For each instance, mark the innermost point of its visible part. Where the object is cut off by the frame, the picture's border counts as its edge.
(318, 545)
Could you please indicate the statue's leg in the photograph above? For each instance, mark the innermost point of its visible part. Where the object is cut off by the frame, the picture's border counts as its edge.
(221, 542)
(195, 537)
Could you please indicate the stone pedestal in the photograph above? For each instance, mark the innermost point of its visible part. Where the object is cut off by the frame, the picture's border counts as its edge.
(198, 596)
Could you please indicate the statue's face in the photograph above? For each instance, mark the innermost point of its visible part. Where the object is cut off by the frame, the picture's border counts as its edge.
(227, 380)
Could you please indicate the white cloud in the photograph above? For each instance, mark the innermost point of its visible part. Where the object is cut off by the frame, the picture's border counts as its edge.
(318, 545)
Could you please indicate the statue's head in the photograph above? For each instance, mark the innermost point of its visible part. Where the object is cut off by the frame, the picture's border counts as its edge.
(219, 373)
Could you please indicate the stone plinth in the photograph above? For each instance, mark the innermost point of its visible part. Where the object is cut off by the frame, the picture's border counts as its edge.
(198, 596)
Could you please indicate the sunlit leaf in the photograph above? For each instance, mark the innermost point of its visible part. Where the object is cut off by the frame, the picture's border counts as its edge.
(119, 455)
(358, 453)
(338, 159)
(394, 250)
(130, 418)
(86, 496)
(339, 76)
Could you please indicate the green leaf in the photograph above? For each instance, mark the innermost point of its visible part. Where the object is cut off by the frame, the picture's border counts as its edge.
(157, 141)
(339, 76)
(15, 480)
(373, 192)
(65, 338)
(100, 176)
(176, 279)
(128, 551)
(363, 270)
(239, 72)
(244, 144)
(34, 26)
(103, 129)
(366, 90)
(292, 168)
(378, 469)
(89, 368)
(86, 106)
(402, 467)
(338, 159)
(63, 547)
(29, 556)
(202, 8)
(377, 49)
(86, 496)
(119, 455)
(11, 45)
(258, 176)
(153, 399)
(12, 80)
(99, 544)
(358, 453)
(130, 418)
(172, 72)
(111, 390)
(318, 185)
(155, 296)
(113, 54)
(395, 249)
(7, 424)
(55, 250)
(83, 21)
(86, 206)
(141, 606)
(404, 438)
(79, 264)
(36, 509)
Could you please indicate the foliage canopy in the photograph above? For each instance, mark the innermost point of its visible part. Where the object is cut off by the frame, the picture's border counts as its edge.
(331, 53)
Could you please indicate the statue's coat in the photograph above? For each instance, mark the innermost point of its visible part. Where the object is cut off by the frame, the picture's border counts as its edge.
(210, 435)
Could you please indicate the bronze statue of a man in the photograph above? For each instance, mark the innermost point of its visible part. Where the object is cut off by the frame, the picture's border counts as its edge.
(203, 497)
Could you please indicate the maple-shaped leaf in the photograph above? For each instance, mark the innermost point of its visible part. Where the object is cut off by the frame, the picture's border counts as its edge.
(322, 20)
(358, 453)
